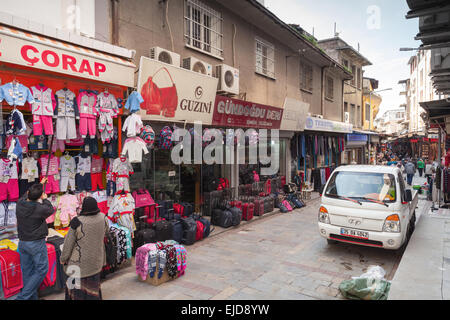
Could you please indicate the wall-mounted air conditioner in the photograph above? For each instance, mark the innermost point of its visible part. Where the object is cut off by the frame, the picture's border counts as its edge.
(228, 79)
(197, 65)
(347, 117)
(165, 56)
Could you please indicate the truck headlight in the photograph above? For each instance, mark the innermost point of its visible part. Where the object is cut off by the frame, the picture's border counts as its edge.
(323, 215)
(392, 223)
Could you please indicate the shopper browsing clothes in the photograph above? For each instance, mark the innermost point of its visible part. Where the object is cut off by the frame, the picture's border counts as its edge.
(32, 210)
(410, 171)
(83, 254)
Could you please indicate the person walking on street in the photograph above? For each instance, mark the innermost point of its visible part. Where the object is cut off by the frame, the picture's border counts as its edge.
(420, 167)
(84, 252)
(410, 170)
(32, 210)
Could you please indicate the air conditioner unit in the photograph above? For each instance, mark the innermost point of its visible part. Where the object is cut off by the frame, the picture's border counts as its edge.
(347, 117)
(165, 56)
(228, 79)
(197, 65)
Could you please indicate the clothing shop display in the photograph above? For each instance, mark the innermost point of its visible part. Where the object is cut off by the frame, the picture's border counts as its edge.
(53, 178)
(29, 174)
(133, 102)
(67, 171)
(23, 140)
(133, 125)
(107, 109)
(9, 180)
(83, 173)
(121, 171)
(87, 105)
(15, 124)
(66, 111)
(110, 179)
(15, 94)
(97, 164)
(121, 211)
(135, 147)
(42, 109)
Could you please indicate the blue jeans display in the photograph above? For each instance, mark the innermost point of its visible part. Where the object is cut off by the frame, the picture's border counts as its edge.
(409, 178)
(34, 265)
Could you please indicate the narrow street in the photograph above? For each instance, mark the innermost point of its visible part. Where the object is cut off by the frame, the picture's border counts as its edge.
(278, 257)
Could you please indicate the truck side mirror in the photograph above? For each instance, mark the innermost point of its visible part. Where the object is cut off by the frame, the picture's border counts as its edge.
(408, 195)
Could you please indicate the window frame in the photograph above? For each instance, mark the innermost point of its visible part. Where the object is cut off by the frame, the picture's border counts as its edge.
(199, 31)
(327, 88)
(265, 58)
(306, 77)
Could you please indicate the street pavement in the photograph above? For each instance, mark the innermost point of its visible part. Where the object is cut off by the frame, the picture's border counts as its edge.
(278, 257)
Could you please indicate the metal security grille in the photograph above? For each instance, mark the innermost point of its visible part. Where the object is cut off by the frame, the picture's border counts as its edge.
(265, 58)
(203, 27)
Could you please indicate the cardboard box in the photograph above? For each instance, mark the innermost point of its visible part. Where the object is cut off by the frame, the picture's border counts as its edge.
(155, 281)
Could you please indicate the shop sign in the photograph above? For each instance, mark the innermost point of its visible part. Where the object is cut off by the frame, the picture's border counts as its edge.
(294, 115)
(357, 137)
(317, 124)
(172, 93)
(229, 112)
(433, 136)
(43, 53)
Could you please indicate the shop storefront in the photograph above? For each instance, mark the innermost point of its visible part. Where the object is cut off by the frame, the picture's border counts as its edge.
(356, 151)
(319, 150)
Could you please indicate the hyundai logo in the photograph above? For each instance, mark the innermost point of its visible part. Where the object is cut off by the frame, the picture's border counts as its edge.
(354, 221)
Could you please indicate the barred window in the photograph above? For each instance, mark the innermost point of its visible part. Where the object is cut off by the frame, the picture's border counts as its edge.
(203, 28)
(265, 58)
(306, 77)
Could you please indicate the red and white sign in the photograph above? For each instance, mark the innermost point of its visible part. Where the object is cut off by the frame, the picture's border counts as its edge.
(42, 53)
(229, 112)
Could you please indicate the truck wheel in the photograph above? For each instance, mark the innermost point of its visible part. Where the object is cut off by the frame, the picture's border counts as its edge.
(331, 242)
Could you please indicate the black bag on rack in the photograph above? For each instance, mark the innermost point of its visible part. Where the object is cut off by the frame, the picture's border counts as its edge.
(189, 231)
(163, 230)
(188, 209)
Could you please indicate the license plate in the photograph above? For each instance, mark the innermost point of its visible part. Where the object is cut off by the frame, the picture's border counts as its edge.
(355, 233)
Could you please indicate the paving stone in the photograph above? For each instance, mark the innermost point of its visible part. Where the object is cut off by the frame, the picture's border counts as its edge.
(327, 291)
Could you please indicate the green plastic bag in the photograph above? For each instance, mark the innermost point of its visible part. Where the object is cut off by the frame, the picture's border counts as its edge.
(365, 289)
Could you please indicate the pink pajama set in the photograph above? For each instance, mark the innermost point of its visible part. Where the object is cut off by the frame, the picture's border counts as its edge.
(42, 110)
(52, 185)
(9, 180)
(87, 104)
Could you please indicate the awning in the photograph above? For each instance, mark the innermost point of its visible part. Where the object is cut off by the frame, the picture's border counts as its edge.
(366, 132)
(36, 51)
(437, 108)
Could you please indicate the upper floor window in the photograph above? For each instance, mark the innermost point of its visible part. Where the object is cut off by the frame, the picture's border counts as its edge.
(329, 89)
(265, 58)
(306, 77)
(353, 82)
(203, 28)
(358, 72)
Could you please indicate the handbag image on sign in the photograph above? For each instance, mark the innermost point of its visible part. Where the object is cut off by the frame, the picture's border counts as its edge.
(160, 101)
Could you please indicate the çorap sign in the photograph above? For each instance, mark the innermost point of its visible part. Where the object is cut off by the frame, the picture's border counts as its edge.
(40, 52)
(174, 93)
(231, 112)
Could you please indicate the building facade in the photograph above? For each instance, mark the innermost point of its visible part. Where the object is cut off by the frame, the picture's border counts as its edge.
(371, 103)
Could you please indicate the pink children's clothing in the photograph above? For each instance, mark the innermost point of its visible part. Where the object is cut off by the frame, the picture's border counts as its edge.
(97, 173)
(9, 183)
(42, 110)
(42, 124)
(52, 185)
(87, 103)
(142, 259)
(68, 204)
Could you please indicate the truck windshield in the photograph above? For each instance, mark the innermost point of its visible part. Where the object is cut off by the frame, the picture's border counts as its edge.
(362, 186)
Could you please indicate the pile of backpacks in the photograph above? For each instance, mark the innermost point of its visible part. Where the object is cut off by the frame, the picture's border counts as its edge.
(288, 200)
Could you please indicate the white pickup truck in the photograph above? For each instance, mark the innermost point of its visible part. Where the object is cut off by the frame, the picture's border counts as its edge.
(367, 205)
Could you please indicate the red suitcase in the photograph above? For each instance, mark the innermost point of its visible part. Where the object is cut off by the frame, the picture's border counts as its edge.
(259, 207)
(11, 273)
(248, 211)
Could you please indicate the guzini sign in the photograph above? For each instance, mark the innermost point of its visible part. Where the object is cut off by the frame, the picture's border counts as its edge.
(230, 112)
(45, 54)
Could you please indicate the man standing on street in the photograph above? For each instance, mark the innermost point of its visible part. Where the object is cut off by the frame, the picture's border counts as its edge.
(420, 166)
(32, 210)
(410, 170)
